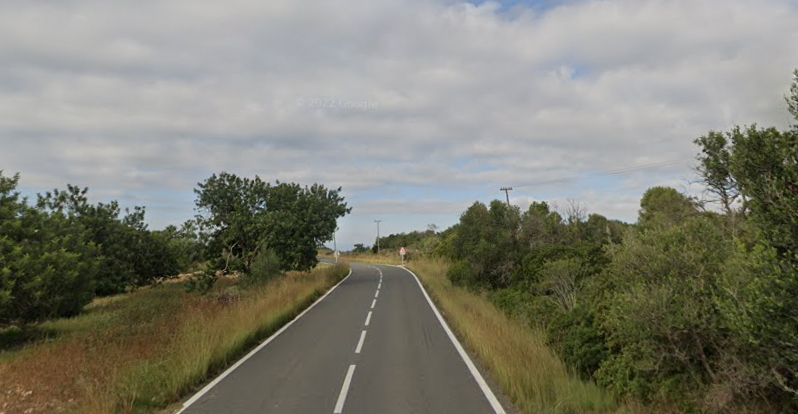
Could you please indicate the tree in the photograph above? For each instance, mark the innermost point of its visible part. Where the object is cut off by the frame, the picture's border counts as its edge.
(130, 254)
(299, 219)
(575, 214)
(47, 265)
(231, 217)
(486, 239)
(765, 164)
(597, 229)
(664, 206)
(540, 226)
(714, 170)
(360, 248)
(792, 98)
(184, 244)
(242, 217)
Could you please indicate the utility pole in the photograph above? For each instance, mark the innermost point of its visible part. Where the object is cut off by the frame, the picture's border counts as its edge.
(507, 193)
(378, 235)
(335, 246)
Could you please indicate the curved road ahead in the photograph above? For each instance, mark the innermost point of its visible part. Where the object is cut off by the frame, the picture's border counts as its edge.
(373, 345)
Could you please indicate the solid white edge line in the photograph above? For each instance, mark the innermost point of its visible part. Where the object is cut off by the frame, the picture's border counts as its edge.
(494, 402)
(339, 406)
(368, 318)
(228, 371)
(360, 342)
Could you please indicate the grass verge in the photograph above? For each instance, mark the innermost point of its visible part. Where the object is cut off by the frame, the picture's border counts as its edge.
(139, 352)
(515, 355)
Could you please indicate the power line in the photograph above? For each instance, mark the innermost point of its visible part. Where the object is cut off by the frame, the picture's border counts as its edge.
(617, 171)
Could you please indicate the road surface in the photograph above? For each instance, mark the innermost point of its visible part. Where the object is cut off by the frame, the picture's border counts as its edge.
(373, 345)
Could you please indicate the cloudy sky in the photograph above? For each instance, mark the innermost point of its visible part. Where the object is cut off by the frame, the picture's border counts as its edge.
(415, 107)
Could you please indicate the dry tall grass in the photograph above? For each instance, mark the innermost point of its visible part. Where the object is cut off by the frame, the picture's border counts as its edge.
(374, 258)
(515, 355)
(391, 258)
(142, 351)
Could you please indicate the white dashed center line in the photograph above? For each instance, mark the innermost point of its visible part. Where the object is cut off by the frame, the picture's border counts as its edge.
(339, 406)
(360, 342)
(368, 318)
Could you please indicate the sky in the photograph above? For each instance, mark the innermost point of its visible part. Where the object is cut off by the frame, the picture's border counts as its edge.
(416, 108)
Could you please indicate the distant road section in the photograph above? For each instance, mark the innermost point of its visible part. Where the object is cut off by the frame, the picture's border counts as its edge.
(372, 345)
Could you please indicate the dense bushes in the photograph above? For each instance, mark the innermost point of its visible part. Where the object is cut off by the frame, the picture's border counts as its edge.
(47, 268)
(690, 308)
(56, 255)
(677, 311)
(662, 320)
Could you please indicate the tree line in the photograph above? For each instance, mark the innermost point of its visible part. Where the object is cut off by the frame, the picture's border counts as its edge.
(61, 251)
(694, 307)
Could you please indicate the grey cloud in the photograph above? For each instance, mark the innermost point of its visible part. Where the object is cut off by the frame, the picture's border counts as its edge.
(148, 95)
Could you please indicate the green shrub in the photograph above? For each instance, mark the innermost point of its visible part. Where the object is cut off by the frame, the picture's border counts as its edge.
(265, 267)
(578, 339)
(201, 282)
(461, 274)
(509, 300)
(47, 266)
(662, 319)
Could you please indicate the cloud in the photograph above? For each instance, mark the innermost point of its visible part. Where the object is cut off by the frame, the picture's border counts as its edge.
(153, 96)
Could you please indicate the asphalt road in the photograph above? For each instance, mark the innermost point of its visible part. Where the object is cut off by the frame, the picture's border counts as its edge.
(373, 345)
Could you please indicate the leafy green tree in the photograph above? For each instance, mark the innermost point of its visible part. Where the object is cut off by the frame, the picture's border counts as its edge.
(299, 219)
(241, 217)
(183, 244)
(599, 230)
(664, 206)
(765, 164)
(231, 216)
(360, 248)
(540, 226)
(714, 171)
(422, 243)
(47, 266)
(486, 239)
(130, 254)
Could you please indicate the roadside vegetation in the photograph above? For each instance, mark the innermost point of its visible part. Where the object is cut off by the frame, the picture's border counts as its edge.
(96, 317)
(691, 309)
(141, 351)
(516, 355)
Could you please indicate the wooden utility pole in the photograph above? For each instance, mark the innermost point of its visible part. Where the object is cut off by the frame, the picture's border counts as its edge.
(378, 235)
(507, 193)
